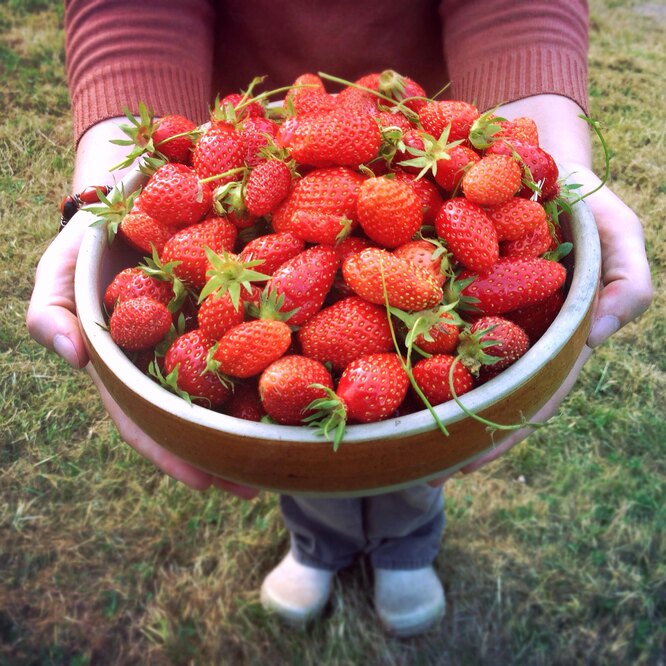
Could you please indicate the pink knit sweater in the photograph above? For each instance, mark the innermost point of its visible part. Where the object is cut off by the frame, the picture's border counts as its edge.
(176, 55)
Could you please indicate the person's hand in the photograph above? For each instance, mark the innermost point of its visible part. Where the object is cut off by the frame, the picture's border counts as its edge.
(51, 317)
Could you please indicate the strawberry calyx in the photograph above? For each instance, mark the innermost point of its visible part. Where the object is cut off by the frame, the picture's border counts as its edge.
(425, 321)
(472, 346)
(229, 274)
(169, 381)
(453, 293)
(154, 267)
(213, 366)
(484, 128)
(434, 150)
(270, 306)
(140, 135)
(111, 209)
(328, 416)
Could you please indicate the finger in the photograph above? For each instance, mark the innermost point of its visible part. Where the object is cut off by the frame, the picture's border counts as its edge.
(244, 492)
(51, 317)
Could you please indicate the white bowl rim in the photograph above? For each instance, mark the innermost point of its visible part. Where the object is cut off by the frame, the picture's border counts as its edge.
(579, 299)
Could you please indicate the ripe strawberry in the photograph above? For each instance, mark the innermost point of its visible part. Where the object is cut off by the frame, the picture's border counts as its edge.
(332, 190)
(435, 116)
(534, 243)
(220, 149)
(535, 319)
(304, 281)
(342, 332)
(133, 282)
(338, 138)
(351, 245)
(267, 185)
(432, 377)
(398, 87)
(272, 250)
(442, 338)
(494, 341)
(375, 274)
(388, 211)
(450, 171)
(320, 228)
(144, 232)
(308, 96)
(139, 323)
(426, 191)
(394, 118)
(516, 217)
(188, 247)
(514, 283)
(424, 254)
(248, 348)
(257, 133)
(178, 149)
(469, 234)
(541, 166)
(175, 196)
(287, 386)
(245, 402)
(521, 129)
(218, 313)
(357, 101)
(372, 387)
(410, 138)
(493, 180)
(243, 106)
(187, 359)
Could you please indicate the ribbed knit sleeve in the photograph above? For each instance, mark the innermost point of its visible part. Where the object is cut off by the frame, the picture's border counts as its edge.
(499, 51)
(121, 52)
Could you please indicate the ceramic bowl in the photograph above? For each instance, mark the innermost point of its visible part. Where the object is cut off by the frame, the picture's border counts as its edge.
(373, 457)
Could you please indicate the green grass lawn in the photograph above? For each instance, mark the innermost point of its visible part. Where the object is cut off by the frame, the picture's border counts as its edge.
(554, 554)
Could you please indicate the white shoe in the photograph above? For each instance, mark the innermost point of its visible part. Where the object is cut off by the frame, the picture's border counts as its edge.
(296, 592)
(408, 601)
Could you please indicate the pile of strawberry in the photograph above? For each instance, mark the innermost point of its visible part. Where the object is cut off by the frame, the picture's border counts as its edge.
(338, 258)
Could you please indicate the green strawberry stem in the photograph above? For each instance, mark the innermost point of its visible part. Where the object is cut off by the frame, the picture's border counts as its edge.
(491, 424)
(594, 124)
(217, 176)
(406, 365)
(328, 413)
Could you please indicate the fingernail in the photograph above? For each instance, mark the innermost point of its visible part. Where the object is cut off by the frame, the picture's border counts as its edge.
(64, 348)
(602, 329)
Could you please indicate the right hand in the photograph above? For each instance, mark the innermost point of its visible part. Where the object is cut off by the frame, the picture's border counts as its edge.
(51, 317)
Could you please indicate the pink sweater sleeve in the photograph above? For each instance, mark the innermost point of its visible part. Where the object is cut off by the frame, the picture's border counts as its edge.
(498, 51)
(122, 52)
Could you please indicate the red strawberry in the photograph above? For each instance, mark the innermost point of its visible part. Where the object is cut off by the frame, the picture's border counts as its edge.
(388, 211)
(338, 138)
(469, 234)
(435, 116)
(188, 356)
(535, 319)
(493, 180)
(178, 149)
(372, 387)
(344, 331)
(175, 196)
(400, 88)
(320, 228)
(188, 247)
(514, 283)
(134, 282)
(255, 132)
(516, 217)
(450, 171)
(272, 250)
(139, 323)
(542, 168)
(242, 105)
(144, 232)
(426, 191)
(220, 149)
(509, 343)
(308, 96)
(424, 254)
(287, 386)
(442, 338)
(217, 314)
(267, 185)
(248, 348)
(394, 119)
(534, 243)
(333, 191)
(304, 281)
(411, 138)
(432, 377)
(245, 402)
(374, 272)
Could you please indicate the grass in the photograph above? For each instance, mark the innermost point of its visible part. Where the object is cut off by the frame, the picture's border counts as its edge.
(554, 554)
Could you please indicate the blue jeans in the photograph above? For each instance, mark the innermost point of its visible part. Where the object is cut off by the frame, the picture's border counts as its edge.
(398, 530)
